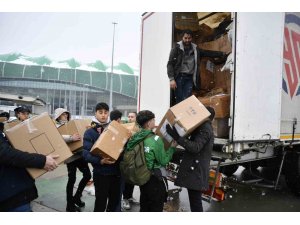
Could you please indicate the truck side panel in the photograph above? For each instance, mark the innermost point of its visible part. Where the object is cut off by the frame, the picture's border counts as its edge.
(258, 76)
(290, 112)
(156, 43)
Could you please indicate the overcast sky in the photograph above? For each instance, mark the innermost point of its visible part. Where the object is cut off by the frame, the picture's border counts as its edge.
(86, 37)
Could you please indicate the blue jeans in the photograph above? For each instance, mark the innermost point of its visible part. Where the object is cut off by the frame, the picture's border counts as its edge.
(184, 87)
(22, 208)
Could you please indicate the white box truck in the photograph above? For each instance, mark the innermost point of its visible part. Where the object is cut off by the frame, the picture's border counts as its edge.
(264, 116)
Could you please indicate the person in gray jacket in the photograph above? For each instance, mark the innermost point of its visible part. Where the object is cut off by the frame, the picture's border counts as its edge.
(183, 66)
(193, 171)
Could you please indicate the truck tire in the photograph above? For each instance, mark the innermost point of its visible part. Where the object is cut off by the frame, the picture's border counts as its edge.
(292, 172)
(229, 170)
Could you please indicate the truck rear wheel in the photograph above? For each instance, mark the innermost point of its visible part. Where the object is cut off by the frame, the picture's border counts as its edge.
(229, 170)
(292, 172)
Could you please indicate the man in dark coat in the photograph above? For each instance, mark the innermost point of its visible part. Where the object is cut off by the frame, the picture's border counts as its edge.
(17, 188)
(183, 66)
(193, 171)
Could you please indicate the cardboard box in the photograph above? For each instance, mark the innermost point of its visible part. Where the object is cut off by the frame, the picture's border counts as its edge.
(220, 128)
(111, 142)
(132, 127)
(185, 117)
(222, 79)
(221, 44)
(39, 135)
(73, 127)
(11, 124)
(207, 74)
(220, 103)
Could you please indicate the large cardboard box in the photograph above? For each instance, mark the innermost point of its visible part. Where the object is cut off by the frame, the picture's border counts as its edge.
(220, 103)
(185, 117)
(39, 135)
(73, 127)
(220, 128)
(111, 142)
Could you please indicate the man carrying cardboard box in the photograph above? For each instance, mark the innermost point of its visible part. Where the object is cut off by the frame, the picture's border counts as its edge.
(76, 161)
(17, 188)
(106, 173)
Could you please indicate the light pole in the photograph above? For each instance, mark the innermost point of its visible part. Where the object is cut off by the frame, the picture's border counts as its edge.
(112, 68)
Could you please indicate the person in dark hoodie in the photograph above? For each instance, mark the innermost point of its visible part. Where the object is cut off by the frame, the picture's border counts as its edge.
(193, 171)
(106, 173)
(17, 188)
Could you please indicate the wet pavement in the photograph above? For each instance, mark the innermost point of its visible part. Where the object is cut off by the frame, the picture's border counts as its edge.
(240, 196)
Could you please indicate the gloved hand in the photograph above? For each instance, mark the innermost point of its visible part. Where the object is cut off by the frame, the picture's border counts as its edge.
(172, 132)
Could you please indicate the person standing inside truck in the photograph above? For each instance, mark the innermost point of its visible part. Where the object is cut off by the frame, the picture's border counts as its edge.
(17, 187)
(106, 173)
(183, 66)
(76, 161)
(193, 171)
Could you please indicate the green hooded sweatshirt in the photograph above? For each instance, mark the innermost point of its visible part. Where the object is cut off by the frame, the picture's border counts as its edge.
(155, 153)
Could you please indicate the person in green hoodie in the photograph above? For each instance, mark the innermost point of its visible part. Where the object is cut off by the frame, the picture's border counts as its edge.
(154, 192)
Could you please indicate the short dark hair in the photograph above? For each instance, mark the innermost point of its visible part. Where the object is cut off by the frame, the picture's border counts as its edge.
(101, 105)
(189, 32)
(144, 116)
(21, 109)
(5, 114)
(134, 113)
(115, 115)
(212, 112)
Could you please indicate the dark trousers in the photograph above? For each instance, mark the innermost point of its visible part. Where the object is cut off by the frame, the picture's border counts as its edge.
(83, 167)
(153, 195)
(107, 192)
(195, 198)
(128, 191)
(184, 87)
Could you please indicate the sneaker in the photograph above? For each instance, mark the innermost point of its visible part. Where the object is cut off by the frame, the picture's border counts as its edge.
(125, 204)
(133, 200)
(90, 189)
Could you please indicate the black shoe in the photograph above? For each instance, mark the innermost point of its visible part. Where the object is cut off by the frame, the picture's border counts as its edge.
(72, 208)
(78, 202)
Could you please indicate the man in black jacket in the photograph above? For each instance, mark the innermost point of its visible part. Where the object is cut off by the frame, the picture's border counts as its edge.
(17, 188)
(183, 66)
(193, 171)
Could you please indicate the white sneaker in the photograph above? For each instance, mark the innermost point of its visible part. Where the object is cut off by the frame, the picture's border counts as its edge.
(133, 200)
(90, 189)
(125, 204)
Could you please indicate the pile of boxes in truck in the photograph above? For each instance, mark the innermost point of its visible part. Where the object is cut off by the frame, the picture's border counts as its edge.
(215, 79)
